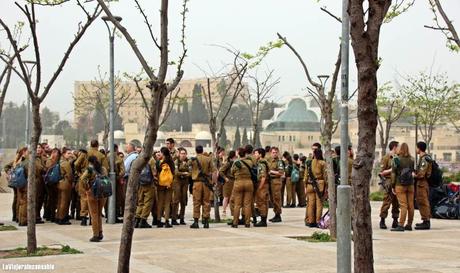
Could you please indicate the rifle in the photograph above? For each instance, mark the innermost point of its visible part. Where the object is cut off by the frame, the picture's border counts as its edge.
(314, 183)
(383, 183)
(203, 176)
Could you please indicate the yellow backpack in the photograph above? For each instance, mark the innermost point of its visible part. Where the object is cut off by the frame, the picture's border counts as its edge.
(166, 176)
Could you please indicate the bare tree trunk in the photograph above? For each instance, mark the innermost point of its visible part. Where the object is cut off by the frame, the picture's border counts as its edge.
(365, 42)
(131, 190)
(214, 144)
(31, 185)
(327, 137)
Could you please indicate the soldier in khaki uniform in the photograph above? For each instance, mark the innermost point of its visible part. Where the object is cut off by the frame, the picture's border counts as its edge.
(243, 188)
(225, 173)
(51, 189)
(317, 167)
(389, 199)
(64, 188)
(81, 163)
(180, 187)
(21, 202)
(164, 192)
(40, 189)
(171, 144)
(95, 204)
(145, 196)
(276, 171)
(262, 187)
(424, 168)
(203, 172)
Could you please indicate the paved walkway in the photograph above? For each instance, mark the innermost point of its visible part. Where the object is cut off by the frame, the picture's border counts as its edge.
(223, 249)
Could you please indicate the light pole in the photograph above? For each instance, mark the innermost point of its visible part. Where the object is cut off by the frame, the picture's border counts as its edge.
(112, 217)
(344, 190)
(29, 75)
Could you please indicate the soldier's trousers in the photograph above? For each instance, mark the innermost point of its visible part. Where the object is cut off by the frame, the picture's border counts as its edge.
(423, 201)
(276, 195)
(40, 197)
(262, 199)
(51, 201)
(64, 194)
(389, 199)
(15, 205)
(291, 192)
(83, 200)
(314, 204)
(75, 205)
(164, 196)
(405, 195)
(95, 209)
(243, 191)
(121, 194)
(180, 197)
(201, 200)
(145, 196)
(22, 205)
(227, 191)
(300, 190)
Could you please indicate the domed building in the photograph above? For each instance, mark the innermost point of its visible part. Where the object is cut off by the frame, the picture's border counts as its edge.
(293, 128)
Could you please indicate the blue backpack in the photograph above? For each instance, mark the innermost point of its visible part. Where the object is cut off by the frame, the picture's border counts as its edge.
(53, 175)
(18, 177)
(146, 176)
(295, 174)
(102, 187)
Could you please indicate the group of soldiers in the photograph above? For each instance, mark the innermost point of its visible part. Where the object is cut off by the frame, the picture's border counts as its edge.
(248, 181)
(401, 191)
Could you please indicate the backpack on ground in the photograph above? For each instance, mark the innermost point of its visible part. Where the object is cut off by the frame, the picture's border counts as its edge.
(166, 176)
(18, 177)
(295, 174)
(53, 175)
(325, 221)
(146, 176)
(102, 187)
(435, 179)
(405, 177)
(448, 208)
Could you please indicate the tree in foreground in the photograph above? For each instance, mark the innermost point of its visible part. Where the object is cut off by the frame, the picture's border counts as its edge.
(37, 92)
(157, 91)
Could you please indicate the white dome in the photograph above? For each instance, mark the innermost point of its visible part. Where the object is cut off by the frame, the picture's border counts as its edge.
(118, 134)
(203, 135)
(161, 135)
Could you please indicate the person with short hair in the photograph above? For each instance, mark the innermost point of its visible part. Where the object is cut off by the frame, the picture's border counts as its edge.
(229, 179)
(261, 196)
(170, 144)
(64, 188)
(389, 199)
(203, 176)
(180, 187)
(423, 172)
(276, 171)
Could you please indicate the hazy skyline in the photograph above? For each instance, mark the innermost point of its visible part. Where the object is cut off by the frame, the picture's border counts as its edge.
(406, 47)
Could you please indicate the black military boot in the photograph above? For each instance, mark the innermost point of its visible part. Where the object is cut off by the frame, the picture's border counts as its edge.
(168, 225)
(182, 221)
(254, 220)
(195, 223)
(174, 222)
(262, 223)
(137, 221)
(143, 224)
(382, 223)
(101, 235)
(408, 227)
(395, 223)
(241, 220)
(84, 221)
(276, 219)
(424, 225)
(398, 228)
(95, 239)
(155, 221)
(206, 223)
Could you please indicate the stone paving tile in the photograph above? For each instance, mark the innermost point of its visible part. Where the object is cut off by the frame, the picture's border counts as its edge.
(223, 249)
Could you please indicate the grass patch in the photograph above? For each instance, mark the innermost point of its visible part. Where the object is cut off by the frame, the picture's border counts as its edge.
(316, 237)
(376, 196)
(7, 228)
(326, 204)
(41, 251)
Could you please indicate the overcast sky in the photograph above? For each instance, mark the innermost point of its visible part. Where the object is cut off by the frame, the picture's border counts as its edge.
(406, 47)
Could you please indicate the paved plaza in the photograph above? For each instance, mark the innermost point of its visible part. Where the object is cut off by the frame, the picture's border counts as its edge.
(223, 249)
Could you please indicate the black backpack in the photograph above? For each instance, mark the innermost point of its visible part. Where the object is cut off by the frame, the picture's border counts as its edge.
(405, 177)
(102, 186)
(435, 179)
(252, 171)
(146, 176)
